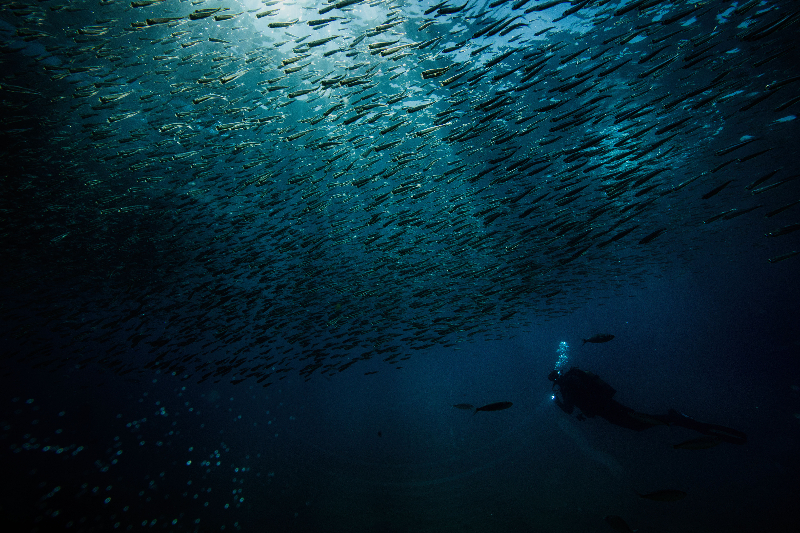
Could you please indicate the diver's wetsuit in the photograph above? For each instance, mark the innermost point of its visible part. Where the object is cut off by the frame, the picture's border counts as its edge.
(594, 397)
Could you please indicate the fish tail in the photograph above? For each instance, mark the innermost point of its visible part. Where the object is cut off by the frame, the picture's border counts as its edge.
(584, 341)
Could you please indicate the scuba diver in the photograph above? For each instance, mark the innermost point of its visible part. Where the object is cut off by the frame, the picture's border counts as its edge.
(594, 397)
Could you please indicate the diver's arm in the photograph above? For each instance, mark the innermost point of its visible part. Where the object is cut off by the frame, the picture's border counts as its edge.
(567, 407)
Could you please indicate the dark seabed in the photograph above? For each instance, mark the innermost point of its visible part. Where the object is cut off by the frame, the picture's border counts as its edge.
(253, 253)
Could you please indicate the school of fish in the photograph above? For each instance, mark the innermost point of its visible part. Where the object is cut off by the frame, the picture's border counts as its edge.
(228, 190)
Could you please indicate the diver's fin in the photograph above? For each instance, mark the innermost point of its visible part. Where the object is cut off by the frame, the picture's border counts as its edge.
(723, 433)
(727, 434)
(652, 420)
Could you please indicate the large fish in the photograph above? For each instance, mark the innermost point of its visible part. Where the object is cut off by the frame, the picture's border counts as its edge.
(600, 337)
(618, 524)
(496, 406)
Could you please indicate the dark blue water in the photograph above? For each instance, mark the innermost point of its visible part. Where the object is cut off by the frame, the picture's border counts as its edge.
(91, 451)
(229, 306)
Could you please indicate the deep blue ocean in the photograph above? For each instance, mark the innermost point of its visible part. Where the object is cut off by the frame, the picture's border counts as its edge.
(90, 451)
(255, 255)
